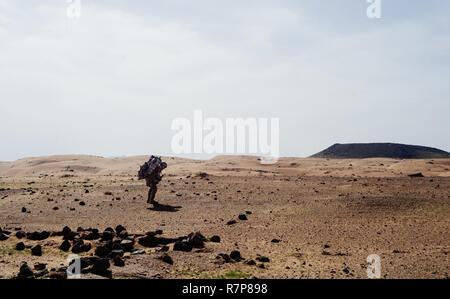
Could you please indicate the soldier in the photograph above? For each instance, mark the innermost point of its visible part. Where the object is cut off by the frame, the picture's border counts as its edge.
(151, 172)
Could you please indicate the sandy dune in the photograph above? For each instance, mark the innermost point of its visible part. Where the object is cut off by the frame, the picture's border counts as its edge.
(311, 217)
(226, 165)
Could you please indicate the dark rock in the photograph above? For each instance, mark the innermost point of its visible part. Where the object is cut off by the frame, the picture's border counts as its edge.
(103, 249)
(197, 240)
(41, 273)
(58, 274)
(263, 259)
(65, 246)
(164, 248)
(242, 216)
(38, 236)
(231, 222)
(127, 244)
(120, 228)
(117, 252)
(276, 241)
(166, 259)
(224, 257)
(91, 234)
(21, 234)
(250, 262)
(182, 246)
(68, 234)
(148, 241)
(40, 266)
(24, 210)
(80, 247)
(36, 250)
(3, 237)
(235, 255)
(100, 266)
(215, 239)
(416, 175)
(82, 203)
(108, 235)
(118, 261)
(25, 271)
(20, 246)
(122, 234)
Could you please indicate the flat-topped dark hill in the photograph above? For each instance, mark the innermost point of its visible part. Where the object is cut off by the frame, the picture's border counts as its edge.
(381, 150)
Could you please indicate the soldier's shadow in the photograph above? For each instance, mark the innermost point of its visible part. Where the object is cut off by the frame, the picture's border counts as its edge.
(164, 208)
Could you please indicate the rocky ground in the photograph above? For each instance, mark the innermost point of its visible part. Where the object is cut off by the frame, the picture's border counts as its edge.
(228, 217)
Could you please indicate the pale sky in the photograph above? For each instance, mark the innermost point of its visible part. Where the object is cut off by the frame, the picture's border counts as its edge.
(111, 82)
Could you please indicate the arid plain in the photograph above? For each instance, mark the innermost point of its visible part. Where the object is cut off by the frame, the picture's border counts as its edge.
(305, 218)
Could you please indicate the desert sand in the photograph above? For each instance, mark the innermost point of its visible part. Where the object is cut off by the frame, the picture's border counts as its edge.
(312, 218)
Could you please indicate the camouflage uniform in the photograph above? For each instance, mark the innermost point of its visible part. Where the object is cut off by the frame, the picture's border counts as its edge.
(151, 172)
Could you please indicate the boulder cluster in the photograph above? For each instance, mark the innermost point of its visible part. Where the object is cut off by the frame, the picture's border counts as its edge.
(100, 249)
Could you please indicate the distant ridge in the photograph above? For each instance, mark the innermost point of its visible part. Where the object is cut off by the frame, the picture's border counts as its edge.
(381, 150)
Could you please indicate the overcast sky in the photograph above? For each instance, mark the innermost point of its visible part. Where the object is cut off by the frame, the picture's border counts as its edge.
(111, 82)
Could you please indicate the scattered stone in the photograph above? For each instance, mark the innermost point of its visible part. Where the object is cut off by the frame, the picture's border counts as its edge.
(100, 266)
(276, 241)
(166, 259)
(263, 259)
(24, 210)
(82, 203)
(58, 274)
(25, 271)
(164, 248)
(224, 257)
(40, 273)
(40, 266)
(182, 246)
(236, 255)
(3, 236)
(79, 247)
(38, 236)
(36, 250)
(197, 240)
(90, 234)
(242, 216)
(416, 175)
(65, 246)
(116, 252)
(122, 234)
(118, 261)
(250, 262)
(108, 234)
(20, 234)
(231, 222)
(104, 249)
(120, 228)
(20, 246)
(215, 239)
(127, 244)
